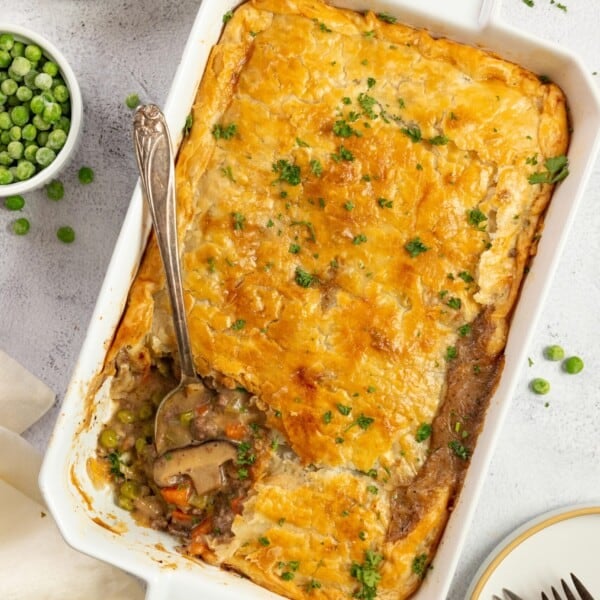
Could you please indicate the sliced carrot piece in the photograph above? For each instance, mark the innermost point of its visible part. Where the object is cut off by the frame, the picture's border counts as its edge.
(179, 495)
(201, 529)
(236, 431)
(182, 517)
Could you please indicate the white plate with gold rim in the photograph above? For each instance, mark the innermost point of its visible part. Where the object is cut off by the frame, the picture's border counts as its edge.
(539, 553)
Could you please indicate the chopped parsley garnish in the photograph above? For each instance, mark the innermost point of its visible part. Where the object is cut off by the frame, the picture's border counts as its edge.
(238, 324)
(528, 2)
(454, 303)
(371, 82)
(224, 132)
(343, 154)
(369, 34)
(385, 203)
(342, 129)
(287, 575)
(414, 133)
(287, 172)
(386, 17)
(228, 16)
(228, 173)
(401, 103)
(348, 205)
(294, 249)
(362, 421)
(327, 417)
(189, 121)
(476, 218)
(423, 432)
(464, 330)
(346, 100)
(313, 584)
(324, 28)
(114, 458)
(270, 223)
(439, 140)
(316, 168)
(415, 247)
(344, 410)
(263, 541)
(367, 575)
(451, 352)
(466, 276)
(245, 456)
(418, 565)
(238, 221)
(532, 160)
(302, 143)
(371, 389)
(459, 450)
(362, 535)
(304, 278)
(361, 238)
(557, 168)
(367, 103)
(372, 489)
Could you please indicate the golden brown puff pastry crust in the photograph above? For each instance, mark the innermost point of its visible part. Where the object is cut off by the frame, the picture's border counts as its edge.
(367, 214)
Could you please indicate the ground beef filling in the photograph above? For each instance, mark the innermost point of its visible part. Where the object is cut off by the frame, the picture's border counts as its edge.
(126, 444)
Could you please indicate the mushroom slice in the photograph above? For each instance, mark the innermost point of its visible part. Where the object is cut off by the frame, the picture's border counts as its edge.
(202, 464)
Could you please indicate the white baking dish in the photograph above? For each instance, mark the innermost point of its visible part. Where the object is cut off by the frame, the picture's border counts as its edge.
(88, 517)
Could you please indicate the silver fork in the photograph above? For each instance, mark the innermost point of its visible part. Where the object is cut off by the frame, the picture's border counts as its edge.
(569, 595)
(584, 594)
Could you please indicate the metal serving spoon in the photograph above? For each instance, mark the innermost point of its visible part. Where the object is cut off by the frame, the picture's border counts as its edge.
(154, 153)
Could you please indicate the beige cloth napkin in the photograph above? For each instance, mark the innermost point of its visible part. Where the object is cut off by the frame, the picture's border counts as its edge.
(36, 563)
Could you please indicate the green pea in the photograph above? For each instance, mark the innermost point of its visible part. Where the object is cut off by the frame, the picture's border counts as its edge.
(86, 175)
(40, 123)
(140, 445)
(126, 416)
(6, 176)
(15, 133)
(44, 156)
(30, 151)
(6, 41)
(132, 101)
(18, 49)
(42, 138)
(5, 121)
(131, 489)
(573, 365)
(23, 93)
(145, 411)
(24, 170)
(63, 123)
(5, 159)
(5, 139)
(15, 150)
(126, 503)
(66, 234)
(20, 115)
(20, 66)
(56, 139)
(3, 98)
(61, 93)
(15, 202)
(554, 352)
(540, 386)
(43, 81)
(109, 439)
(50, 68)
(52, 112)
(29, 132)
(33, 52)
(21, 226)
(37, 104)
(29, 79)
(9, 87)
(55, 190)
(5, 59)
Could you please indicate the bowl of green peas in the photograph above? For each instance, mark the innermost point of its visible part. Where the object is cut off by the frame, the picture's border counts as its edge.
(40, 110)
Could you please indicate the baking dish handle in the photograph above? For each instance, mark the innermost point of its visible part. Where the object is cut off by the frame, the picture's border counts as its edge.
(470, 15)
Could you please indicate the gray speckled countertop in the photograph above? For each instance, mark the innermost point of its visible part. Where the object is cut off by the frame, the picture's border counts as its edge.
(546, 457)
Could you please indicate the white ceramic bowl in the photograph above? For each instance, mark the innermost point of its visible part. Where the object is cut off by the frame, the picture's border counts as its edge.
(51, 172)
